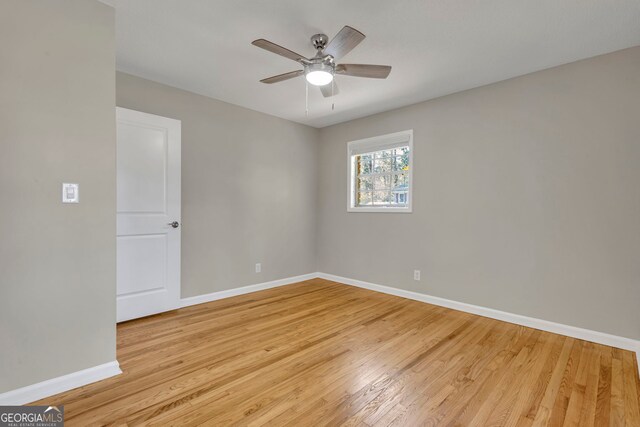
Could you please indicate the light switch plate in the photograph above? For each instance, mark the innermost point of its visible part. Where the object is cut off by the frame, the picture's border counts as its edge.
(70, 193)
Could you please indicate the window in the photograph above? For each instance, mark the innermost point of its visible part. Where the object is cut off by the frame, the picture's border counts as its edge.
(380, 171)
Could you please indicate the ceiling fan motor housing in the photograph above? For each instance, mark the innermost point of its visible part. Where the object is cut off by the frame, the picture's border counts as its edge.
(323, 63)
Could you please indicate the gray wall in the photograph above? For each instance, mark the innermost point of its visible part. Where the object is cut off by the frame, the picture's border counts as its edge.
(249, 188)
(526, 197)
(57, 262)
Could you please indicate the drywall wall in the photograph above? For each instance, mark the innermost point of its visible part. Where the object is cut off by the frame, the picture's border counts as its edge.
(249, 188)
(526, 197)
(57, 261)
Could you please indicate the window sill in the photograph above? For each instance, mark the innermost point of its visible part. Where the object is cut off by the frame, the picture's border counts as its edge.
(379, 210)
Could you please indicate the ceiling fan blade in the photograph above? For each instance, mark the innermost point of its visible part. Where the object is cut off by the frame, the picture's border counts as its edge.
(283, 77)
(344, 42)
(277, 49)
(327, 90)
(364, 70)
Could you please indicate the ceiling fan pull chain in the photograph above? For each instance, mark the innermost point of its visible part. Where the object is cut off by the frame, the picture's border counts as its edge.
(306, 99)
(333, 103)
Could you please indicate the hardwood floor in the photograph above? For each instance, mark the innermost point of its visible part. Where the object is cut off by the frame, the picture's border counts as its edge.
(323, 353)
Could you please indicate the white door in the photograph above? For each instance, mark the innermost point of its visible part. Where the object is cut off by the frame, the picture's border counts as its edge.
(148, 214)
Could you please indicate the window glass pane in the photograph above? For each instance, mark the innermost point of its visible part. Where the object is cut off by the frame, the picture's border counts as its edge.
(382, 182)
(363, 199)
(363, 164)
(400, 191)
(365, 183)
(399, 180)
(381, 198)
(382, 165)
(403, 161)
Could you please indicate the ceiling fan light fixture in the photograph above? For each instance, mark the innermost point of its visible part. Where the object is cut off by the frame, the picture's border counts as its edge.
(318, 72)
(319, 77)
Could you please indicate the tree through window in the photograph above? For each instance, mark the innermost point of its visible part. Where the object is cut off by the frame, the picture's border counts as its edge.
(380, 173)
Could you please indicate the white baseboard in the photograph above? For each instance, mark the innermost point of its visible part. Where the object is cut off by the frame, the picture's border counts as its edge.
(185, 302)
(531, 322)
(57, 385)
(53, 386)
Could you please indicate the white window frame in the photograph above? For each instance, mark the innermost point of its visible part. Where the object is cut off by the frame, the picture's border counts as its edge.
(378, 143)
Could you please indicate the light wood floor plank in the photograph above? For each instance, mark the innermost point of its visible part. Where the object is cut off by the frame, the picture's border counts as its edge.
(323, 353)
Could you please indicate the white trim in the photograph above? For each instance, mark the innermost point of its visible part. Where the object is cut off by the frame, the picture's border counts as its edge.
(31, 393)
(379, 143)
(531, 322)
(214, 296)
(365, 209)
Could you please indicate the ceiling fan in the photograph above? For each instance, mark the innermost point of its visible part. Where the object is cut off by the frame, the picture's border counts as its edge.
(320, 70)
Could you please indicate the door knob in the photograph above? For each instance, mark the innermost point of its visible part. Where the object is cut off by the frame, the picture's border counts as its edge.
(174, 224)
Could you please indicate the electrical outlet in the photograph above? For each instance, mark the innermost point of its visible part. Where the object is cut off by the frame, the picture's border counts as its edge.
(416, 274)
(258, 268)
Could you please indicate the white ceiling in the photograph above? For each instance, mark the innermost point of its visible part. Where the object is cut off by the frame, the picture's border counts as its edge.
(436, 47)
